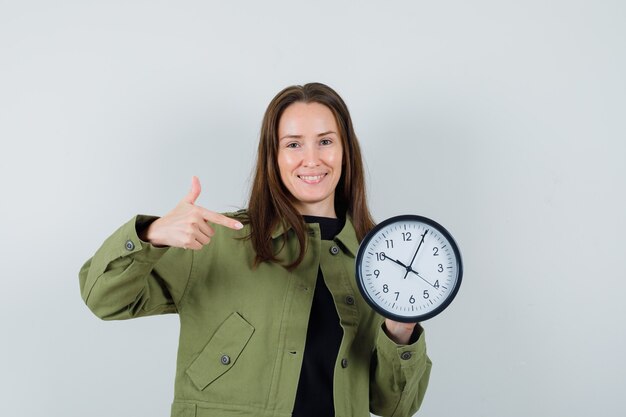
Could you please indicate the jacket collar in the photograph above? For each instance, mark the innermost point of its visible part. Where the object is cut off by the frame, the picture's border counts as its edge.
(347, 235)
(280, 229)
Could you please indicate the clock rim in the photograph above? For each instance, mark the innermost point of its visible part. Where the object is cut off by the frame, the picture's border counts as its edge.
(377, 307)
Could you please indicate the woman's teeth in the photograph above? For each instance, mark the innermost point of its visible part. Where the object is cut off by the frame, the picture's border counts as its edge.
(311, 177)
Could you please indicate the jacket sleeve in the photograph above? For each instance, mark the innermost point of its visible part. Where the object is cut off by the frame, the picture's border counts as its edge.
(129, 278)
(399, 375)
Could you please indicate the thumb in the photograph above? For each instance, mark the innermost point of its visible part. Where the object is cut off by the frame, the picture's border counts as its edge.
(193, 194)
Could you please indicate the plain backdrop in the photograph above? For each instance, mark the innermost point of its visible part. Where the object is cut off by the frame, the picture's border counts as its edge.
(503, 120)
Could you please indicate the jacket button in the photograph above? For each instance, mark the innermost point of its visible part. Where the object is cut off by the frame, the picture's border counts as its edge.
(130, 245)
(334, 250)
(225, 359)
(349, 300)
(406, 355)
(344, 363)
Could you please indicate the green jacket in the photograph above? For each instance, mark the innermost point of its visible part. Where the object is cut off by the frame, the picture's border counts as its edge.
(243, 331)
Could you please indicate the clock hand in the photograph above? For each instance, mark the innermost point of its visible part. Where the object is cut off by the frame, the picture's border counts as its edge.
(398, 262)
(425, 280)
(418, 247)
(408, 268)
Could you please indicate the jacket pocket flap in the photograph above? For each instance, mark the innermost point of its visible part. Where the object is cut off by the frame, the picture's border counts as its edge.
(222, 351)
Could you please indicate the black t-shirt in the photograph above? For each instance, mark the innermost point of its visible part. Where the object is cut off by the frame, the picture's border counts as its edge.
(314, 397)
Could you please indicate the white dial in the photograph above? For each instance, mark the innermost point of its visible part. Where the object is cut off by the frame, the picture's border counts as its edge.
(409, 268)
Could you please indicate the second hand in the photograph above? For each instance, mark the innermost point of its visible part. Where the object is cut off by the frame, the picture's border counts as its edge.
(424, 279)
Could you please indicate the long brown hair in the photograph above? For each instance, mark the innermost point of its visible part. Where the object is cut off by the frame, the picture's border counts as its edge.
(270, 201)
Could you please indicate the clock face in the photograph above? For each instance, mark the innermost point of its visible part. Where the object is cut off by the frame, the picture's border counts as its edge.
(409, 268)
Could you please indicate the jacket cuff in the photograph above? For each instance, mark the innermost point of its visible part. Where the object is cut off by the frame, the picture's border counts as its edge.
(407, 355)
(125, 241)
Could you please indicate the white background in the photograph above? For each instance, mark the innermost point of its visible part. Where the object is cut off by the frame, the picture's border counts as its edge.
(503, 120)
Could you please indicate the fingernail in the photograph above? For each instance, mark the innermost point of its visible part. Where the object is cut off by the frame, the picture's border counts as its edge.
(238, 226)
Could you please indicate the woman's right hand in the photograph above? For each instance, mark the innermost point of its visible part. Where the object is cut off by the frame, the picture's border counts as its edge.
(187, 225)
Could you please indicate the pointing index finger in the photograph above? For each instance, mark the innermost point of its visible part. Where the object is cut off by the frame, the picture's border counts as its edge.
(220, 219)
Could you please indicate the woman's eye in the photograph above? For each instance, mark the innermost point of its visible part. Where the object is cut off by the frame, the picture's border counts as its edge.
(292, 145)
(326, 142)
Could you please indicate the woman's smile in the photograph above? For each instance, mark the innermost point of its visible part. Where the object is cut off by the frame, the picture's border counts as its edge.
(312, 179)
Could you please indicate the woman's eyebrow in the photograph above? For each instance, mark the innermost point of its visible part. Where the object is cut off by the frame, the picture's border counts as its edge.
(300, 136)
(291, 137)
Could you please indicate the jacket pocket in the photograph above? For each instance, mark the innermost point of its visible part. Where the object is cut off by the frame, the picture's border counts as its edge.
(222, 351)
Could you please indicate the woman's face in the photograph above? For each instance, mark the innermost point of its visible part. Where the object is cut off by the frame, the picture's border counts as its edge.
(309, 157)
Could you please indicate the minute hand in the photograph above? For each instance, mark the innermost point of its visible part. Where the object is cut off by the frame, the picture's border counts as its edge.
(415, 254)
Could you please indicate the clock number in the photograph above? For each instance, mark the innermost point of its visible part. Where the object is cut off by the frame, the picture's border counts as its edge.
(389, 243)
(435, 251)
(380, 256)
(411, 300)
(397, 295)
(426, 295)
(385, 288)
(436, 284)
(440, 269)
(376, 273)
(406, 236)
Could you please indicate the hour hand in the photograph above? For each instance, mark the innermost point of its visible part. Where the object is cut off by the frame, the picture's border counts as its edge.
(407, 268)
(396, 261)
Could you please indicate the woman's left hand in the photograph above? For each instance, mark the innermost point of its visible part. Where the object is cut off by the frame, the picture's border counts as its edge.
(399, 332)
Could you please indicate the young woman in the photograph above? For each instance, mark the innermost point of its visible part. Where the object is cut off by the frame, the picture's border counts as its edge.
(272, 323)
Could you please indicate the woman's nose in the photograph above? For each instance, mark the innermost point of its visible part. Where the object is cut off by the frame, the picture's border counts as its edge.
(311, 157)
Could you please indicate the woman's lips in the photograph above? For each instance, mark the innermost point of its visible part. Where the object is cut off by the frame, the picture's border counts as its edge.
(312, 179)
